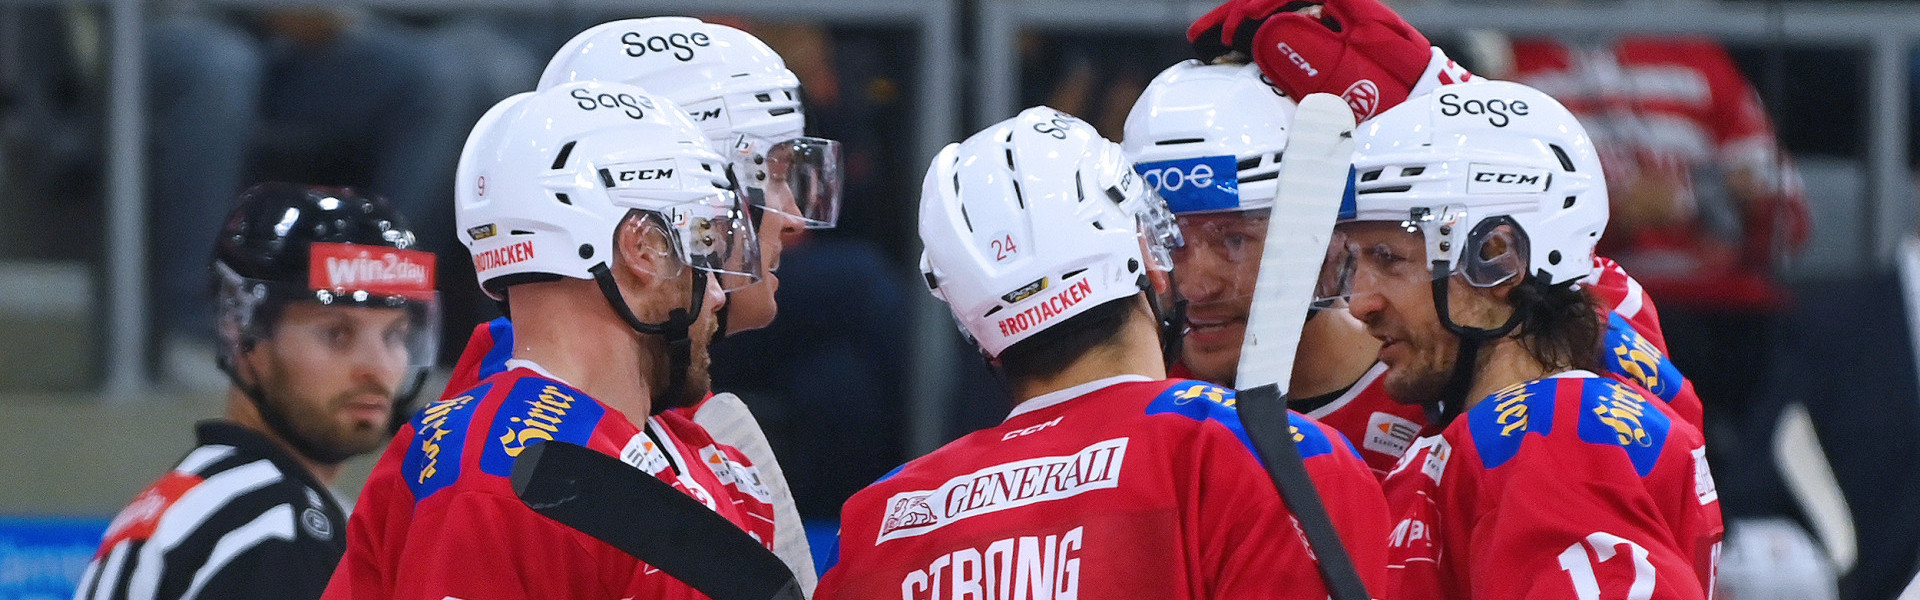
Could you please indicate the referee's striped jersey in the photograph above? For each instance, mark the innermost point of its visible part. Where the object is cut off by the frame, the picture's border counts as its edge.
(237, 518)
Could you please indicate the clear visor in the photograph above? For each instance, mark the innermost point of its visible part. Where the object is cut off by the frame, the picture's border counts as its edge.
(1159, 231)
(715, 235)
(1221, 259)
(393, 330)
(798, 177)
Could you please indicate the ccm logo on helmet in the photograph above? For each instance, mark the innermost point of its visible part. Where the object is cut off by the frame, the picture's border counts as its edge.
(626, 103)
(1502, 179)
(1499, 112)
(653, 174)
(680, 44)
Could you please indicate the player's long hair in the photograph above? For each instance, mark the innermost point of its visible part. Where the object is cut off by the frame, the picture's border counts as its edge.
(1560, 325)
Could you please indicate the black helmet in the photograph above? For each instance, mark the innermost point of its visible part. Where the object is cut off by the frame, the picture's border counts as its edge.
(286, 242)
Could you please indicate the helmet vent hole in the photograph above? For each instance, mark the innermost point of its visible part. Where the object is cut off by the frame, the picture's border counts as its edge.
(563, 198)
(1097, 225)
(1248, 164)
(560, 160)
(1010, 158)
(932, 282)
(1277, 155)
(782, 111)
(1391, 189)
(1017, 196)
(763, 97)
(964, 218)
(1568, 203)
(606, 178)
(1079, 186)
(1412, 171)
(1260, 177)
(990, 311)
(1553, 258)
(1565, 163)
(706, 167)
(1370, 175)
(519, 232)
(1070, 274)
(1179, 141)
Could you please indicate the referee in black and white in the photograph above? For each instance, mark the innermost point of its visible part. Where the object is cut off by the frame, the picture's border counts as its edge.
(326, 317)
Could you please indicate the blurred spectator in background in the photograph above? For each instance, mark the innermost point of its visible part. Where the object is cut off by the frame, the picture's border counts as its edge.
(320, 369)
(316, 94)
(1705, 204)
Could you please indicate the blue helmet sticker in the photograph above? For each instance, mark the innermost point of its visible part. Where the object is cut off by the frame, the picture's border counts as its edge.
(1206, 183)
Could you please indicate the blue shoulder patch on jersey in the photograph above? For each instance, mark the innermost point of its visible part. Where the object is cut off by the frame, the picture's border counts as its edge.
(1202, 401)
(1500, 422)
(496, 358)
(1613, 414)
(439, 441)
(1631, 356)
(537, 410)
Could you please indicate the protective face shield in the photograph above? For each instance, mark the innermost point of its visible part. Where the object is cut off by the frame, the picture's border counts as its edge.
(713, 233)
(797, 176)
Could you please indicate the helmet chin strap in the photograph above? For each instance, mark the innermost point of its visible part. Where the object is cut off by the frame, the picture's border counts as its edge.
(1171, 323)
(1453, 397)
(674, 329)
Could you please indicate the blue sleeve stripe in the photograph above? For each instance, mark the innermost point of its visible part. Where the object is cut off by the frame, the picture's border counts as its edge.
(496, 359)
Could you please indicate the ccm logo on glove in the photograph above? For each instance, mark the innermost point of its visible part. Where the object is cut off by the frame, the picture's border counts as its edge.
(1498, 112)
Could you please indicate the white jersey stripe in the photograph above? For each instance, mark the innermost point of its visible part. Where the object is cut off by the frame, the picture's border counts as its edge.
(276, 523)
(1630, 305)
(203, 457)
(86, 578)
(186, 515)
(1366, 380)
(110, 572)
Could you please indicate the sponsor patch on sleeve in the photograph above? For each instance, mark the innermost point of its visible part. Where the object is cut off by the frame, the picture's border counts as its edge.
(1613, 414)
(439, 440)
(1631, 356)
(1202, 401)
(1501, 422)
(537, 410)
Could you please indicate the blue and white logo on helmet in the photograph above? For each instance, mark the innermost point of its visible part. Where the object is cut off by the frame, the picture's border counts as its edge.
(1202, 184)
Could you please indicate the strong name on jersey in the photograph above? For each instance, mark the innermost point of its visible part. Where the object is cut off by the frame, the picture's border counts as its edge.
(1574, 486)
(1117, 488)
(439, 517)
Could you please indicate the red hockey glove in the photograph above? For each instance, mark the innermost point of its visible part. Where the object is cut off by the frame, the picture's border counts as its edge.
(1356, 49)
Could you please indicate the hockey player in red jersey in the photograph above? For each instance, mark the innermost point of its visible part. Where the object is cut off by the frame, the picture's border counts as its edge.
(1107, 480)
(748, 103)
(603, 219)
(1470, 233)
(1364, 52)
(1209, 138)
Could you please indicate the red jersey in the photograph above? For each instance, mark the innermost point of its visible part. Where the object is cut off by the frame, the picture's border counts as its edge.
(1618, 293)
(1661, 109)
(1117, 488)
(438, 517)
(1381, 428)
(1572, 487)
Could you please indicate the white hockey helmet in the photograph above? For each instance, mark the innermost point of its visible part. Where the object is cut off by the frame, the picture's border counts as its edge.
(1033, 221)
(546, 177)
(1458, 162)
(734, 86)
(1208, 138)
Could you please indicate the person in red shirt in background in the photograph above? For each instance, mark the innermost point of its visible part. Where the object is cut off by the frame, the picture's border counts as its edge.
(614, 270)
(1209, 139)
(1108, 480)
(1704, 202)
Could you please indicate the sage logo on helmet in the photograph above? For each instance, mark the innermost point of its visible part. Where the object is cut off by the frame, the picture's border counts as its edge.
(1498, 111)
(735, 88)
(681, 44)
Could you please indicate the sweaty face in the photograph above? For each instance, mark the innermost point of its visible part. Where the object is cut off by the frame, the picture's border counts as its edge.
(1393, 295)
(331, 372)
(1216, 271)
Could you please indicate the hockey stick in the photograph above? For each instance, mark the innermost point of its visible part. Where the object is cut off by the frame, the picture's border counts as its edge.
(637, 513)
(1313, 179)
(729, 421)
